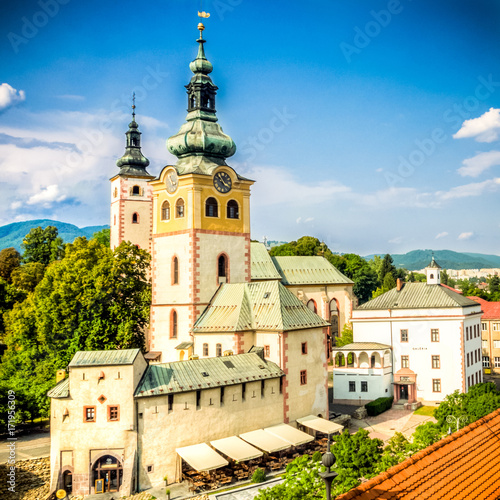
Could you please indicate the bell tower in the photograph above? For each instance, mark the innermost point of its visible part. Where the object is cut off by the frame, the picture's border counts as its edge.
(131, 195)
(201, 220)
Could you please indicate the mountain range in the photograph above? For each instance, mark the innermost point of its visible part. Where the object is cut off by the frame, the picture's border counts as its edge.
(447, 259)
(12, 235)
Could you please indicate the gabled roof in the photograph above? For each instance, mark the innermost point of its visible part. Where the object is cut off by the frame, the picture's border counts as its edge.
(491, 310)
(195, 374)
(60, 390)
(297, 270)
(101, 358)
(265, 305)
(262, 264)
(462, 466)
(362, 346)
(418, 296)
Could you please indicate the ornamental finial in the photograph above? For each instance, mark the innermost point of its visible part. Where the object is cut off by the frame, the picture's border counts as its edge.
(133, 106)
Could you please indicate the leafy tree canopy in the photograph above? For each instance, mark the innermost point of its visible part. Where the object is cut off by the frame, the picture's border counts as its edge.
(42, 245)
(27, 276)
(346, 336)
(103, 236)
(92, 299)
(10, 259)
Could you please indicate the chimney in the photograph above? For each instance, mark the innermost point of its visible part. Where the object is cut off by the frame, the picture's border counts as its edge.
(60, 375)
(399, 284)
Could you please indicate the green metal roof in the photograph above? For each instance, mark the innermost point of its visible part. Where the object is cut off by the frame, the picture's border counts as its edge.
(418, 296)
(195, 374)
(60, 390)
(362, 346)
(264, 305)
(111, 357)
(296, 270)
(262, 264)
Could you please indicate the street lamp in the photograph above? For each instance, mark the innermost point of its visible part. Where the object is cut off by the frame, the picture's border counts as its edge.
(452, 419)
(328, 459)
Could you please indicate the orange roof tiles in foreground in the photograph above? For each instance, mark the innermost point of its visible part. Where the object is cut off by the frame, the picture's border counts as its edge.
(463, 466)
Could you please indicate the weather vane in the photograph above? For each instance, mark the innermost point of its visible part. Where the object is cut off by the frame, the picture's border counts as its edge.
(133, 104)
(206, 15)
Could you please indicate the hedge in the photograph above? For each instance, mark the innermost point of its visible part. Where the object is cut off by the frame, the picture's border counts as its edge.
(378, 406)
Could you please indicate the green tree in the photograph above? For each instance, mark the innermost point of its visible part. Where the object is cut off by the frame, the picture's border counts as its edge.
(27, 276)
(389, 281)
(387, 266)
(42, 245)
(9, 295)
(103, 236)
(92, 299)
(425, 435)
(444, 277)
(398, 448)
(10, 259)
(494, 284)
(346, 336)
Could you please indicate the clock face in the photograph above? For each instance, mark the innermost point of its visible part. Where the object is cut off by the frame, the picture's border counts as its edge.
(172, 181)
(222, 182)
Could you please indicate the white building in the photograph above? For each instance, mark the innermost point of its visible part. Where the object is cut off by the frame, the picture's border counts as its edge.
(432, 333)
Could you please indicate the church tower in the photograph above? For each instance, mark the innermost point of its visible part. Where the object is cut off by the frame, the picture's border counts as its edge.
(201, 220)
(131, 195)
(433, 273)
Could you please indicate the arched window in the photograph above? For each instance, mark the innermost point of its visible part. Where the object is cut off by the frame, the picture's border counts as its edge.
(233, 211)
(334, 319)
(218, 350)
(136, 190)
(179, 208)
(205, 349)
(173, 324)
(135, 218)
(175, 271)
(222, 269)
(431, 276)
(134, 141)
(165, 210)
(211, 207)
(115, 192)
(311, 304)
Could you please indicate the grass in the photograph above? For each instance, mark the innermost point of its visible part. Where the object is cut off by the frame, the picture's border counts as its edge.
(428, 411)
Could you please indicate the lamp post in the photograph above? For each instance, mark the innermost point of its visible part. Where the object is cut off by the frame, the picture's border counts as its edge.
(328, 460)
(452, 419)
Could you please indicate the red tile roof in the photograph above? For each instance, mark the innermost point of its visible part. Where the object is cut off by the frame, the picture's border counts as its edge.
(463, 466)
(491, 310)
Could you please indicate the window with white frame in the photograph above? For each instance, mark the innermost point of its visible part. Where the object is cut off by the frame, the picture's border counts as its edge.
(496, 327)
(486, 361)
(496, 344)
(484, 344)
(497, 361)
(434, 335)
(404, 335)
(484, 326)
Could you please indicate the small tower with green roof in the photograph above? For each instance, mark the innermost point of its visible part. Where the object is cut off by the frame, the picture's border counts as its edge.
(131, 195)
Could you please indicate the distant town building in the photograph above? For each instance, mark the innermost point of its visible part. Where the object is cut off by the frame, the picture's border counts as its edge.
(490, 335)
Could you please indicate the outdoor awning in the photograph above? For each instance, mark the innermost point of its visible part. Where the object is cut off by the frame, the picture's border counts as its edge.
(152, 355)
(236, 448)
(184, 345)
(320, 424)
(265, 440)
(290, 434)
(201, 457)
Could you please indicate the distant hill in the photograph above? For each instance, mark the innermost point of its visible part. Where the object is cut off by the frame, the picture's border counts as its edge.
(12, 235)
(447, 259)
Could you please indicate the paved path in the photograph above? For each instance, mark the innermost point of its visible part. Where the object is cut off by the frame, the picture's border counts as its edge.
(385, 425)
(34, 445)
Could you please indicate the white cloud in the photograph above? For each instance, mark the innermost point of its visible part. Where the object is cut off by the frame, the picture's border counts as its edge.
(379, 170)
(441, 235)
(71, 97)
(9, 96)
(479, 163)
(468, 190)
(485, 128)
(465, 236)
(47, 196)
(397, 240)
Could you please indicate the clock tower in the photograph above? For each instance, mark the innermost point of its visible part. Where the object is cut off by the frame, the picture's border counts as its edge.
(201, 221)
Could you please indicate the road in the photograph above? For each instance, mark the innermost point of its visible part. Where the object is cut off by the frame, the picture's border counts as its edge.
(34, 445)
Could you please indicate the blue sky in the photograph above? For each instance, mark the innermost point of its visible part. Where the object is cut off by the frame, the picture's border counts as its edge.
(373, 125)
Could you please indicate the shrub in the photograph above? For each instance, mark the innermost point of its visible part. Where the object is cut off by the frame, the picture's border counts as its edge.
(378, 406)
(316, 456)
(259, 476)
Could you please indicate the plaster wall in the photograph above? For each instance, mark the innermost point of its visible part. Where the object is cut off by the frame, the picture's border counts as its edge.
(161, 431)
(73, 439)
(378, 379)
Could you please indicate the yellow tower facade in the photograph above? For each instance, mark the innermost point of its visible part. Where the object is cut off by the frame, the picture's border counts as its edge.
(201, 222)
